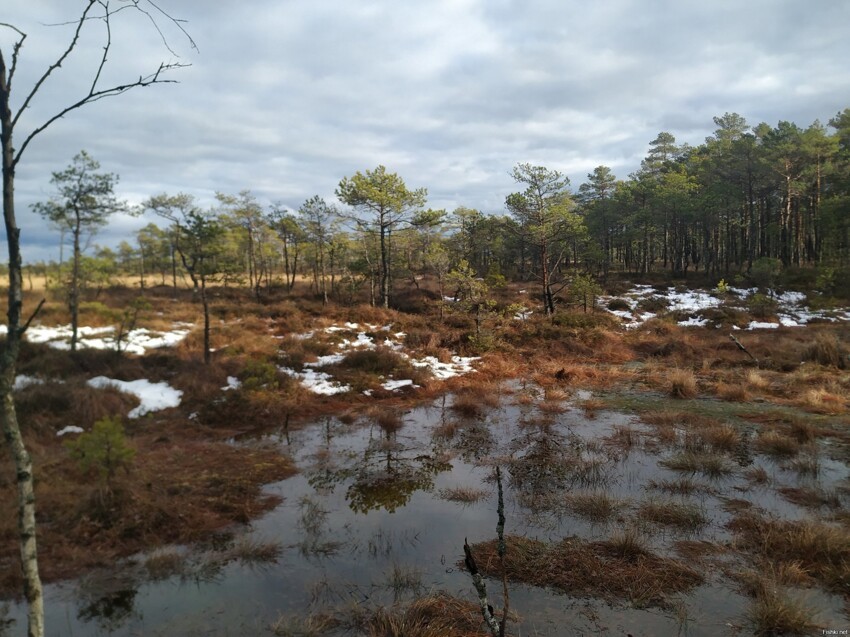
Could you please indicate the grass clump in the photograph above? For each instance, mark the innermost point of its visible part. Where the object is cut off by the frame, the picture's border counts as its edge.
(777, 613)
(596, 506)
(683, 383)
(437, 615)
(774, 443)
(618, 569)
(682, 486)
(709, 464)
(685, 516)
(822, 550)
(827, 350)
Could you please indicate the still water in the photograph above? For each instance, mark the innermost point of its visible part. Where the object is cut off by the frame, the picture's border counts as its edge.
(367, 523)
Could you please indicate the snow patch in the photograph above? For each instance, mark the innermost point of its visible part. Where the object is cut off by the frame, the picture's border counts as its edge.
(136, 341)
(152, 396)
(70, 429)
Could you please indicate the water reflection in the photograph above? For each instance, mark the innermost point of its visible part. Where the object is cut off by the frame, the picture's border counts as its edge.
(383, 475)
(357, 527)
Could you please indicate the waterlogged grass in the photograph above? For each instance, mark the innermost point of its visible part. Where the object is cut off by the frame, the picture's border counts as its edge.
(711, 465)
(685, 516)
(614, 569)
(821, 549)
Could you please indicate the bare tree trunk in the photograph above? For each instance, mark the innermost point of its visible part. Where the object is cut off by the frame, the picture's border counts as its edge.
(74, 298)
(385, 268)
(8, 369)
(205, 303)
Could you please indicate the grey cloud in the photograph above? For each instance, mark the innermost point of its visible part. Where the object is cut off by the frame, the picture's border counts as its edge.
(287, 98)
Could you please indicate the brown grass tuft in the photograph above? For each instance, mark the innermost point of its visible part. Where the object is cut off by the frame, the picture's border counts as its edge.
(617, 569)
(827, 350)
(822, 550)
(683, 383)
(437, 615)
(685, 516)
(736, 392)
(774, 443)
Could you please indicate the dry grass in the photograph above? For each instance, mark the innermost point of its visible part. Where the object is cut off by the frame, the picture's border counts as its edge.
(682, 515)
(757, 475)
(551, 407)
(821, 401)
(682, 486)
(774, 443)
(820, 549)
(437, 615)
(777, 613)
(314, 625)
(682, 383)
(709, 464)
(722, 438)
(735, 392)
(591, 406)
(596, 506)
(624, 436)
(756, 380)
(827, 350)
(811, 498)
(618, 569)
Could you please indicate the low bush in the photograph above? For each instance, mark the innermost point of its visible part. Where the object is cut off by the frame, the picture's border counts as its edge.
(103, 450)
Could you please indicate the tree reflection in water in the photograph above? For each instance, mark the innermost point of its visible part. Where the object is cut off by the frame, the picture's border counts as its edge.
(383, 475)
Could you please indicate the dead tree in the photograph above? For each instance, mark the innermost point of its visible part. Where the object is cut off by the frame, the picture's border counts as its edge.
(94, 11)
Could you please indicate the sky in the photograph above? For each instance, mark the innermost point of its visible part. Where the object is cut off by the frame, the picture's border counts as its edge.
(286, 97)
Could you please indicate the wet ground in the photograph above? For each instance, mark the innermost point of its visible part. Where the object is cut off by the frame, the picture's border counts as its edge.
(369, 522)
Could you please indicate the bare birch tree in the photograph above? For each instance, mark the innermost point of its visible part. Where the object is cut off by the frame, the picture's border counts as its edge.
(93, 12)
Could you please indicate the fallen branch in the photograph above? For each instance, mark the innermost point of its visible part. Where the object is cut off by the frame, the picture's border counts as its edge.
(497, 628)
(742, 348)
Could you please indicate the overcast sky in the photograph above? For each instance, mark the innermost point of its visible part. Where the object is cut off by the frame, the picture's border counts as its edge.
(286, 97)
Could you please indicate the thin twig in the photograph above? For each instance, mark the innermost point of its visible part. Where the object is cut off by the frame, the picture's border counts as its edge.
(29, 320)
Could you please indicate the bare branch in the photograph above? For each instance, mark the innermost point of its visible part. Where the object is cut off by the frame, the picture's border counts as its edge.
(29, 320)
(154, 78)
(15, 50)
(175, 21)
(105, 50)
(71, 46)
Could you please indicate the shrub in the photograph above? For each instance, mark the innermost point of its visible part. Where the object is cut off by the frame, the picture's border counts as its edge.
(653, 304)
(259, 374)
(104, 449)
(827, 351)
(761, 306)
(765, 272)
(618, 305)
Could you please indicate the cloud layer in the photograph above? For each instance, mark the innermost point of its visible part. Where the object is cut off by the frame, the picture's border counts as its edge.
(286, 98)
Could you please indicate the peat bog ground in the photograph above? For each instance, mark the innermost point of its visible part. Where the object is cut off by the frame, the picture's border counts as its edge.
(319, 477)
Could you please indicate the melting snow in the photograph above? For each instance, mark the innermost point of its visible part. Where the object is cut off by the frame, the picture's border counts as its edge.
(232, 383)
(317, 382)
(136, 341)
(791, 311)
(23, 381)
(392, 385)
(323, 383)
(152, 396)
(70, 429)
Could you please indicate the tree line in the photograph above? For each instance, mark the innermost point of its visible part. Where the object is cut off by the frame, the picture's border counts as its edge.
(772, 196)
